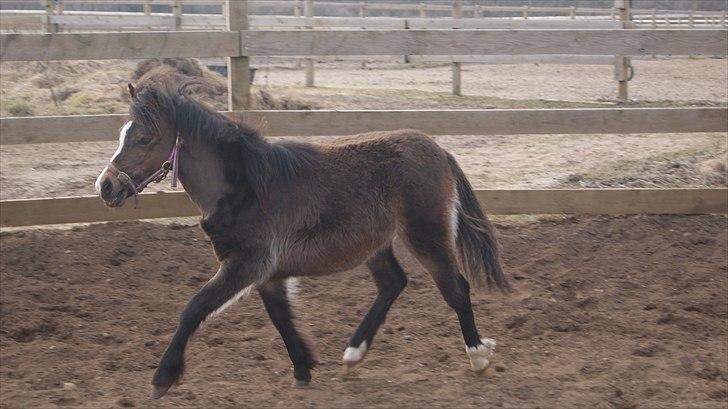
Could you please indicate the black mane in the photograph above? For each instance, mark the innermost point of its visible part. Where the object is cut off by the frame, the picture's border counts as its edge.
(249, 160)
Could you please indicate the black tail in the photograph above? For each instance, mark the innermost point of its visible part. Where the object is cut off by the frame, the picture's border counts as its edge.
(476, 241)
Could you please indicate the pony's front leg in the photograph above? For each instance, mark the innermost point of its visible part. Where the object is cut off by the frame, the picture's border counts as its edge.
(234, 279)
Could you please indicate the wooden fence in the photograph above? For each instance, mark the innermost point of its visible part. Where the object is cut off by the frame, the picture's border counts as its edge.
(84, 128)
(423, 8)
(55, 18)
(86, 209)
(238, 44)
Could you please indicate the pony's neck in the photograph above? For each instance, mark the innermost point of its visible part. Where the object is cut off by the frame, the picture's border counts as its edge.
(201, 174)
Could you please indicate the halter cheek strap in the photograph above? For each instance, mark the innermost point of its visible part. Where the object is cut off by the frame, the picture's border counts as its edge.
(170, 164)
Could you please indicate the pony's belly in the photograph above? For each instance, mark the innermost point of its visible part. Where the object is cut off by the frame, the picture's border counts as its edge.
(315, 260)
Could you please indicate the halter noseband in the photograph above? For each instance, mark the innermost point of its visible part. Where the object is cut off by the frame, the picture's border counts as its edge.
(170, 164)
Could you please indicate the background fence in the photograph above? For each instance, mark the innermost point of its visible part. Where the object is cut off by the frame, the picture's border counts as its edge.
(58, 17)
(238, 44)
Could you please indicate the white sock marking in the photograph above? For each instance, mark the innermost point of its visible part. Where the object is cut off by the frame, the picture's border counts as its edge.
(481, 355)
(353, 355)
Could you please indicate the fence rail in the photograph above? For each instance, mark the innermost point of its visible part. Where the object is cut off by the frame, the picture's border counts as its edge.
(86, 209)
(422, 6)
(130, 45)
(445, 122)
(114, 21)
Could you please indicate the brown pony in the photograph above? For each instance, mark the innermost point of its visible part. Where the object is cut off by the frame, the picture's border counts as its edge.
(285, 209)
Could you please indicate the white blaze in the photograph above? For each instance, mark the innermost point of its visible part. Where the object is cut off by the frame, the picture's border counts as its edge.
(97, 185)
(122, 137)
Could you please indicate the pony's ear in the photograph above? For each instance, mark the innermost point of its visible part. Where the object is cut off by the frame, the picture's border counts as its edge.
(132, 91)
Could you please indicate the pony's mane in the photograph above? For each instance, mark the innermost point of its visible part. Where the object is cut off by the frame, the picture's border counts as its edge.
(250, 161)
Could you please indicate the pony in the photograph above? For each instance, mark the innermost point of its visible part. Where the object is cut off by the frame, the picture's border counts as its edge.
(278, 210)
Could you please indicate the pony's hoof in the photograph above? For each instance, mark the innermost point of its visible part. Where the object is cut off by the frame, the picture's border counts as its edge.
(159, 391)
(481, 355)
(352, 356)
(301, 383)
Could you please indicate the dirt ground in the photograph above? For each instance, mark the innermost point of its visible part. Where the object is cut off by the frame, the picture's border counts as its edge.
(608, 313)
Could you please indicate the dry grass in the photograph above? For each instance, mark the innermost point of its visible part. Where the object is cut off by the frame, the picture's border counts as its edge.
(100, 87)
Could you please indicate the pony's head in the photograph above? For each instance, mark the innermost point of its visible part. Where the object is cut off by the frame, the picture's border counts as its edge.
(145, 143)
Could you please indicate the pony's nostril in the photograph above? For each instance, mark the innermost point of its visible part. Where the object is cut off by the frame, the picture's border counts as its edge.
(106, 187)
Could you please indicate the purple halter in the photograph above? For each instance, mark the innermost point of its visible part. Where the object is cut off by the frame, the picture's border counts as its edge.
(170, 164)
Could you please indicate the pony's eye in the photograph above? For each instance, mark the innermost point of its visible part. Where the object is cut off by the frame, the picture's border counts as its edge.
(145, 140)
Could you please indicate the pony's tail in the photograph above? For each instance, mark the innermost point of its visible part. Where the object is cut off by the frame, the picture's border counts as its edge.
(476, 237)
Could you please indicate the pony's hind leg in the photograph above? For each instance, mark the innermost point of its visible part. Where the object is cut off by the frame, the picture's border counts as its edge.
(431, 245)
(275, 298)
(390, 280)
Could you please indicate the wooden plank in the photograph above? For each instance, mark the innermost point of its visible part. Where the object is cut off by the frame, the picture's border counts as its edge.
(114, 21)
(92, 209)
(605, 201)
(29, 47)
(435, 122)
(500, 23)
(328, 22)
(26, 212)
(518, 59)
(130, 45)
(485, 42)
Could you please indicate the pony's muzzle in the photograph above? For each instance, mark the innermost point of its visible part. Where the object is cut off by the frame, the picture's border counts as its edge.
(111, 190)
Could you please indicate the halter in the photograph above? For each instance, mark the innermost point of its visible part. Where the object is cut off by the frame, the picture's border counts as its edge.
(156, 177)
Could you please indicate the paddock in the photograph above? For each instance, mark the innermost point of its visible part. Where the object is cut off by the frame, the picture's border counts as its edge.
(619, 297)
(608, 312)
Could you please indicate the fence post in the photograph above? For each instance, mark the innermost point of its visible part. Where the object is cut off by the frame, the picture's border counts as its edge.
(362, 15)
(59, 11)
(654, 18)
(308, 12)
(297, 13)
(49, 27)
(148, 11)
(423, 9)
(525, 12)
(621, 62)
(722, 17)
(238, 67)
(572, 12)
(177, 12)
(457, 12)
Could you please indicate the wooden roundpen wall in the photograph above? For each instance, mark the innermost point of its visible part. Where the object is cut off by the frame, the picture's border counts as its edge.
(238, 44)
